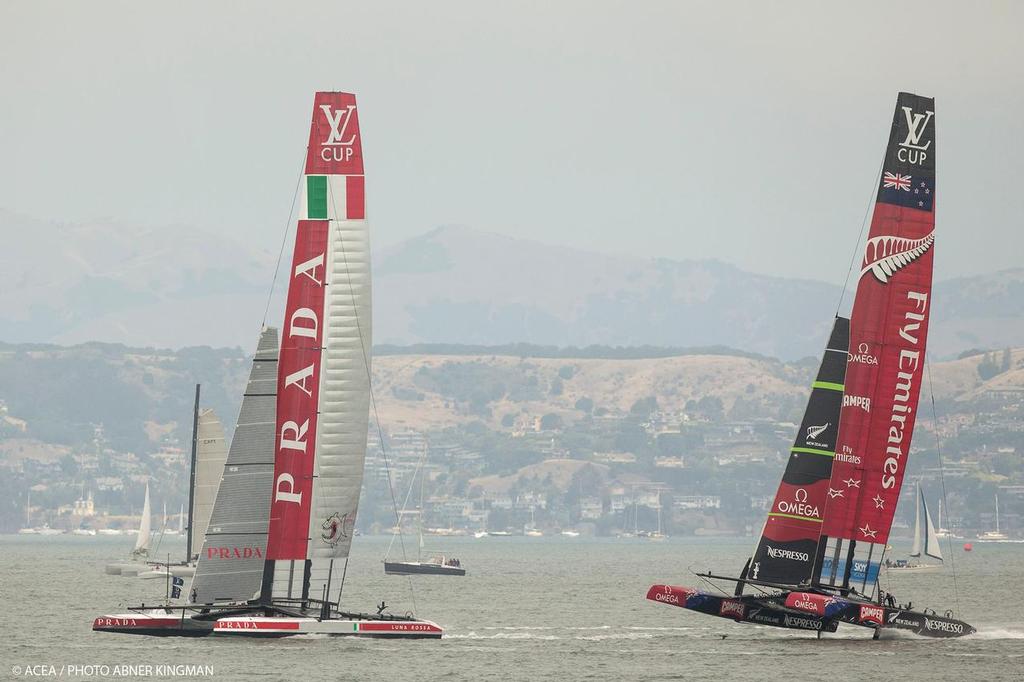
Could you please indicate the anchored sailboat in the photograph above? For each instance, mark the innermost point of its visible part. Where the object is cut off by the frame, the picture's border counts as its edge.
(276, 552)
(206, 470)
(996, 535)
(434, 564)
(816, 562)
(926, 540)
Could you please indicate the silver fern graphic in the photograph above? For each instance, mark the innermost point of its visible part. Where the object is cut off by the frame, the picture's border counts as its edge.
(814, 431)
(886, 255)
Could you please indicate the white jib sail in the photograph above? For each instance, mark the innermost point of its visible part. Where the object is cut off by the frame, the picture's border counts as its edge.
(931, 540)
(145, 528)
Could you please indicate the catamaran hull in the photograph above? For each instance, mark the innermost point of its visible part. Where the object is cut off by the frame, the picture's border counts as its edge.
(171, 623)
(416, 568)
(810, 611)
(253, 626)
(154, 624)
(743, 609)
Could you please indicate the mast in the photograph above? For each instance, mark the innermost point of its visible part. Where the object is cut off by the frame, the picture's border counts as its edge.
(192, 477)
(888, 333)
(419, 548)
(916, 550)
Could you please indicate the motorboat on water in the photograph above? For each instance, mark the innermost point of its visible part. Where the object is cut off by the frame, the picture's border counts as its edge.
(438, 564)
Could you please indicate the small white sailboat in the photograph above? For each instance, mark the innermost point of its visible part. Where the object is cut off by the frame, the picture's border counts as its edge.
(657, 535)
(28, 529)
(435, 564)
(996, 535)
(944, 533)
(926, 541)
(531, 530)
(145, 536)
(167, 530)
(140, 553)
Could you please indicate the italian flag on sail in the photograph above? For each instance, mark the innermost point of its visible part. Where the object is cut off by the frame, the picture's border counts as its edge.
(333, 197)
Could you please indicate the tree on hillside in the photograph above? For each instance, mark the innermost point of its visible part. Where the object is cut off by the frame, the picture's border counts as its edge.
(644, 406)
(585, 404)
(550, 422)
(988, 367)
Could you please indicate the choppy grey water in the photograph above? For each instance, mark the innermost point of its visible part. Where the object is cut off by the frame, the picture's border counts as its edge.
(530, 608)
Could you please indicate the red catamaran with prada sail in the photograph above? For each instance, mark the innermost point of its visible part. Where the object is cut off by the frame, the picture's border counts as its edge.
(816, 562)
(274, 558)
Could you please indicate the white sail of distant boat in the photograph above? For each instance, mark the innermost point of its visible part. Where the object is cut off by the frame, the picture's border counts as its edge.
(142, 540)
(925, 539)
(211, 453)
(181, 520)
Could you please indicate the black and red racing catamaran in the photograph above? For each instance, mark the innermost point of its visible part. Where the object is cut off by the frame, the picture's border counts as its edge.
(816, 562)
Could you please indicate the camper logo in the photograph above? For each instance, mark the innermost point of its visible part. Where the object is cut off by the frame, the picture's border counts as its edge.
(860, 401)
(731, 607)
(872, 614)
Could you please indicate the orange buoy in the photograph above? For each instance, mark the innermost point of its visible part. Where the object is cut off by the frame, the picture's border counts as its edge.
(968, 547)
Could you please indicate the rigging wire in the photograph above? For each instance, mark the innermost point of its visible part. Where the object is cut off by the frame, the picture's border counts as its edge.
(942, 479)
(405, 502)
(373, 397)
(705, 579)
(860, 236)
(284, 239)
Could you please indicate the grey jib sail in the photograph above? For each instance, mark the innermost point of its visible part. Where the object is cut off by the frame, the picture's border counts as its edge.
(786, 550)
(231, 561)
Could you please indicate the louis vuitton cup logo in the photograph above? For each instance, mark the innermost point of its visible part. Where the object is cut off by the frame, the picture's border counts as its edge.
(340, 142)
(915, 146)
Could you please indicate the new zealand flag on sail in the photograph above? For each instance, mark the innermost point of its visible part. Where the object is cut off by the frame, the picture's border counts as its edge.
(908, 173)
(907, 190)
(177, 584)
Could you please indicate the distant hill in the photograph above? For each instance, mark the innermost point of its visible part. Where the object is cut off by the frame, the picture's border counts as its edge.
(174, 287)
(57, 396)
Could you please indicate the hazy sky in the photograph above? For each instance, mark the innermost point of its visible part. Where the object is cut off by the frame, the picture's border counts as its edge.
(747, 132)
